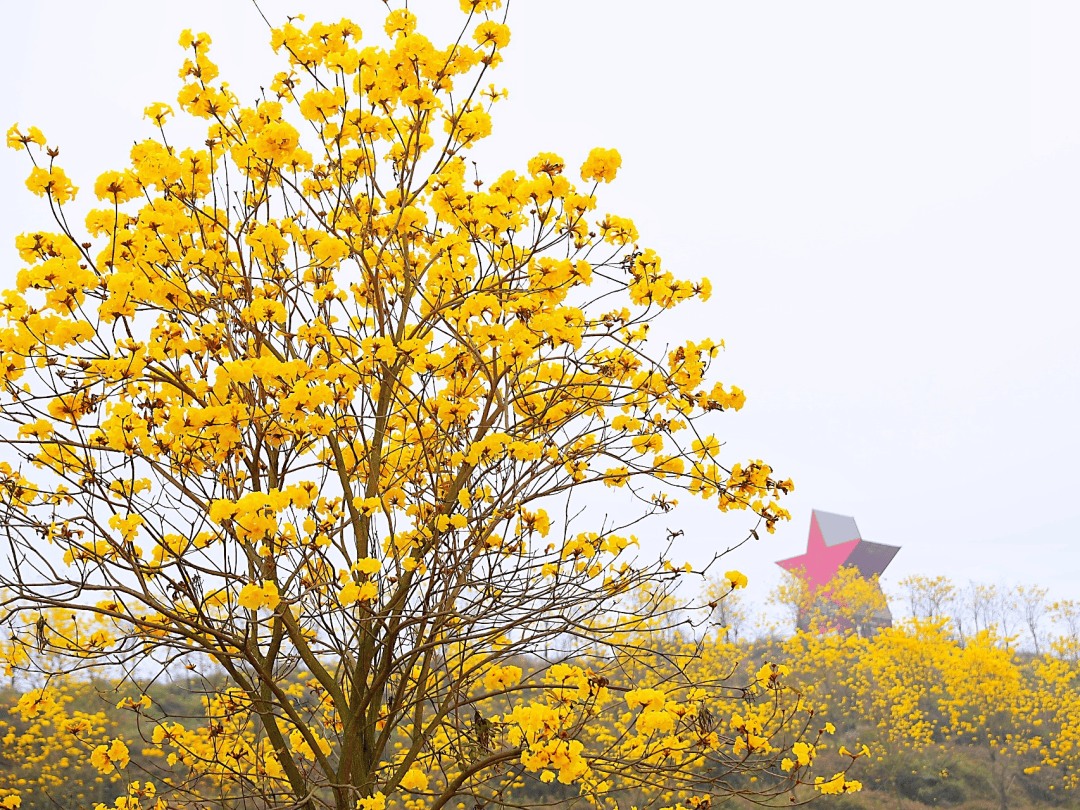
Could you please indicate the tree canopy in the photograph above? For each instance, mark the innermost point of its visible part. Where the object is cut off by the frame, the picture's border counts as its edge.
(309, 409)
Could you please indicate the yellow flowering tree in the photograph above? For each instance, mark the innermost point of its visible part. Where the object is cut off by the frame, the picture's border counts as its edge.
(309, 407)
(847, 601)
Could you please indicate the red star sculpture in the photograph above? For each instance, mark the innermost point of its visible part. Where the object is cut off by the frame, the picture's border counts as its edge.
(834, 542)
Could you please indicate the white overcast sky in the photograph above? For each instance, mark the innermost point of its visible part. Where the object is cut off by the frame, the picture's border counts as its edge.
(885, 195)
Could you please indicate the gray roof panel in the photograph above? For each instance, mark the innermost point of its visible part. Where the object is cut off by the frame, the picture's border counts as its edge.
(871, 558)
(836, 529)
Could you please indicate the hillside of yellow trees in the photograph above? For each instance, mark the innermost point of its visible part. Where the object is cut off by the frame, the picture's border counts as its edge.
(972, 700)
(976, 710)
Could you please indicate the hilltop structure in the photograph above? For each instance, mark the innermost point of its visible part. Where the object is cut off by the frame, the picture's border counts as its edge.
(834, 542)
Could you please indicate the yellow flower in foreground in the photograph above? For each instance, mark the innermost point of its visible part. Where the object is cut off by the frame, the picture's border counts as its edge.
(602, 164)
(367, 565)
(479, 6)
(414, 779)
(116, 187)
(351, 592)
(502, 677)
(33, 702)
(736, 578)
(108, 758)
(377, 801)
(53, 182)
(368, 591)
(16, 140)
(254, 596)
(838, 784)
(648, 699)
